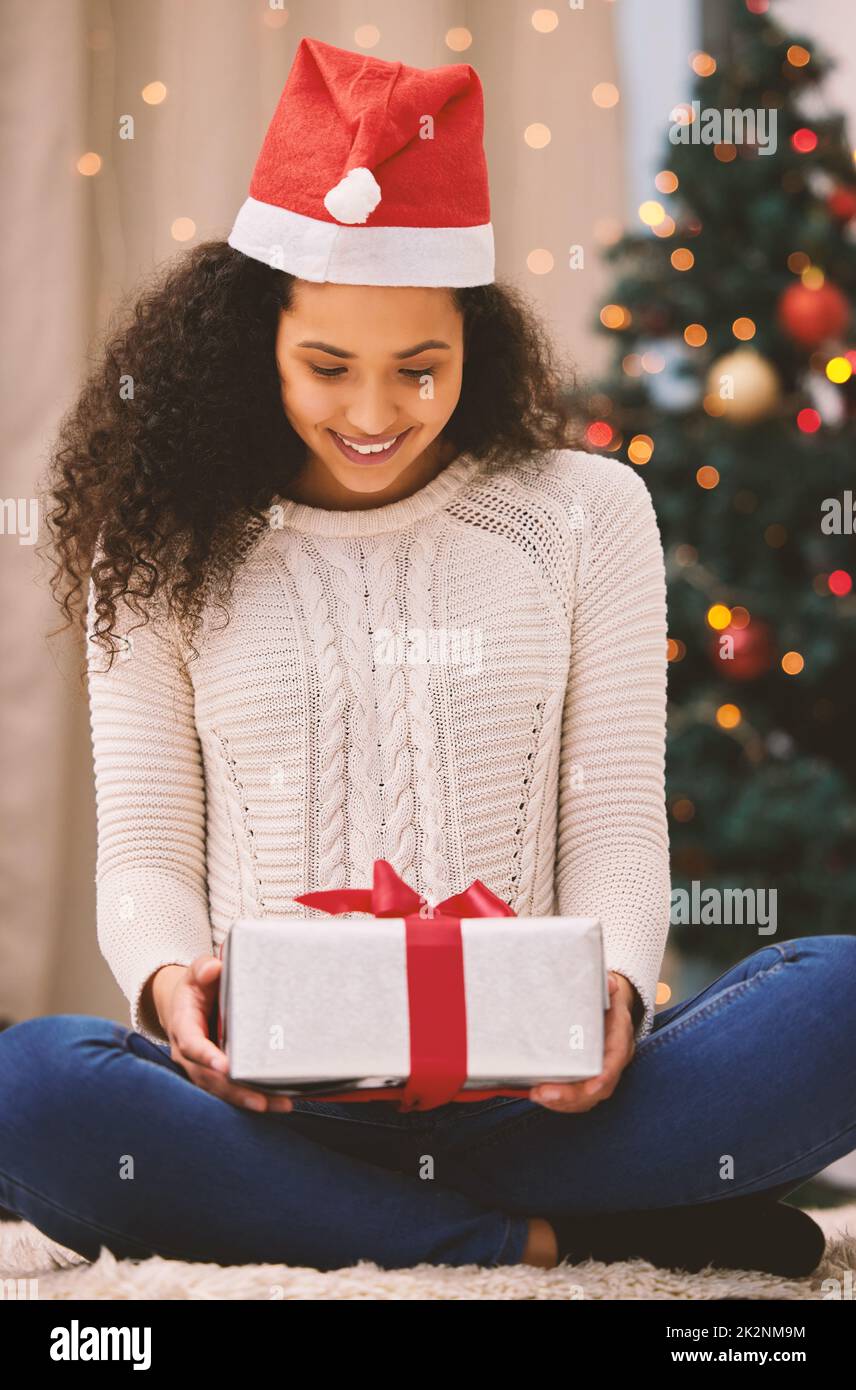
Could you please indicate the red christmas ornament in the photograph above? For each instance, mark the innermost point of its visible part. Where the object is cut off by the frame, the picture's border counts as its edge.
(841, 202)
(745, 654)
(811, 316)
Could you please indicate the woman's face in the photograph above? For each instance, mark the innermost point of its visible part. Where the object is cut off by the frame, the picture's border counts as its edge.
(369, 364)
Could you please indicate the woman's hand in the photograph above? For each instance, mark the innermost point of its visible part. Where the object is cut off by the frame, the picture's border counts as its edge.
(183, 998)
(618, 1048)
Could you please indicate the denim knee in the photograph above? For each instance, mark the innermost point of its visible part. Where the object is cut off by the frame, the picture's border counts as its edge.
(38, 1050)
(835, 957)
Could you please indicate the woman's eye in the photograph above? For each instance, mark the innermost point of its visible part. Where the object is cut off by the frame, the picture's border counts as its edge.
(414, 373)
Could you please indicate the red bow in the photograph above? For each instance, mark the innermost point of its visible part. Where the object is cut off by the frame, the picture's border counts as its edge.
(435, 973)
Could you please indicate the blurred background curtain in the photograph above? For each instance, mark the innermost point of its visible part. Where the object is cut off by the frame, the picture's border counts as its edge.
(76, 244)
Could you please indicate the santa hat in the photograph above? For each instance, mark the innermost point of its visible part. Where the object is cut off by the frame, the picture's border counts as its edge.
(372, 173)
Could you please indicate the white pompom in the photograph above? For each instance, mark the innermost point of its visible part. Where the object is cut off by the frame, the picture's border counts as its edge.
(354, 196)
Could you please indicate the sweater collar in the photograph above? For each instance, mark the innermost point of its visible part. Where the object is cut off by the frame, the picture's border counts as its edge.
(392, 516)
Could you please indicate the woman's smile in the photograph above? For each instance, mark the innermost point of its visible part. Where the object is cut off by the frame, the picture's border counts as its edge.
(369, 451)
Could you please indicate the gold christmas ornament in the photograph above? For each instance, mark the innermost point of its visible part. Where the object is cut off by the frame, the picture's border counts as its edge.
(745, 385)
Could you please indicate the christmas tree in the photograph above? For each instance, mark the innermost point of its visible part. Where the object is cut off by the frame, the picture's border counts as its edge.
(733, 391)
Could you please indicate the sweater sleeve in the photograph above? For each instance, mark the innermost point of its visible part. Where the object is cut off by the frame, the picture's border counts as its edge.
(151, 883)
(613, 847)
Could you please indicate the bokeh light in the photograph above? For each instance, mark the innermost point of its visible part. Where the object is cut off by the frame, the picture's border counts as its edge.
(744, 329)
(640, 448)
(651, 212)
(728, 716)
(666, 181)
(605, 95)
(718, 616)
(808, 421)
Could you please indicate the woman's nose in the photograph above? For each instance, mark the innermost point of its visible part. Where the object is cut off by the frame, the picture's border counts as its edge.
(374, 411)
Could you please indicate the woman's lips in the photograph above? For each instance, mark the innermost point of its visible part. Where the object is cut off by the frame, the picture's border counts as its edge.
(380, 457)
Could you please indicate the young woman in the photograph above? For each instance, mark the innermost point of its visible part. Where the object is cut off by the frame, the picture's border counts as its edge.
(268, 469)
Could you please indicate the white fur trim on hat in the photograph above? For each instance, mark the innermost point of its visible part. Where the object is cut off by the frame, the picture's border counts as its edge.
(354, 196)
(319, 251)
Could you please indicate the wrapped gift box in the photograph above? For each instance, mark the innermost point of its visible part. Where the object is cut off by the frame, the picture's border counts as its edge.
(325, 1007)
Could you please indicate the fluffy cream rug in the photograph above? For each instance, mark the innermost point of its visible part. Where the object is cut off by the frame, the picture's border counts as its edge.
(49, 1271)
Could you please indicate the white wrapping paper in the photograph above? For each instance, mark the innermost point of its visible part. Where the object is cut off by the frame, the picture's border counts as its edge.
(310, 1005)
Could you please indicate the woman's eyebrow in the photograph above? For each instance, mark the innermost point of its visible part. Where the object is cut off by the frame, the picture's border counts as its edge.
(342, 352)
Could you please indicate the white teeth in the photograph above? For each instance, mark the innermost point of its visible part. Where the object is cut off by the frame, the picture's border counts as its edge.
(366, 448)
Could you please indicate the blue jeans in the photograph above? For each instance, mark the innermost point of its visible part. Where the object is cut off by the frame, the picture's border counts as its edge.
(748, 1086)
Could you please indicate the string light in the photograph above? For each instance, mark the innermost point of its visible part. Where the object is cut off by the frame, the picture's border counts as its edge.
(804, 140)
(725, 153)
(728, 716)
(544, 21)
(675, 649)
(840, 583)
(703, 65)
(744, 329)
(695, 335)
(666, 181)
(89, 163)
(798, 261)
(812, 277)
(640, 448)
(663, 994)
(839, 369)
(540, 261)
(615, 316)
(183, 228)
(683, 809)
(718, 616)
(792, 663)
(651, 212)
(599, 434)
(798, 56)
(740, 617)
(682, 259)
(605, 95)
(537, 135)
(808, 421)
(154, 93)
(707, 476)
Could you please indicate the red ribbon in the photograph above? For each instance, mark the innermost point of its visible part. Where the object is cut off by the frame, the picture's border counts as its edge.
(435, 974)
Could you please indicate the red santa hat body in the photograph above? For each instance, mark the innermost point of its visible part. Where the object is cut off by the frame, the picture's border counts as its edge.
(372, 173)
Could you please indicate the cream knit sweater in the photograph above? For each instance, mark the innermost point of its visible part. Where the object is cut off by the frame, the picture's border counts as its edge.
(470, 683)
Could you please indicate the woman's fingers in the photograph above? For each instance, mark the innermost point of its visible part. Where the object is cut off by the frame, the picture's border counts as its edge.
(242, 1096)
(618, 1048)
(205, 1063)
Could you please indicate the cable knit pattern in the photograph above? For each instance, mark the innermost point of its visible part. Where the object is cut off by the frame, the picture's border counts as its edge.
(470, 682)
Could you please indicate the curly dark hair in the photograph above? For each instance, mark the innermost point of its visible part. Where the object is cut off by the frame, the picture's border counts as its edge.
(186, 391)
